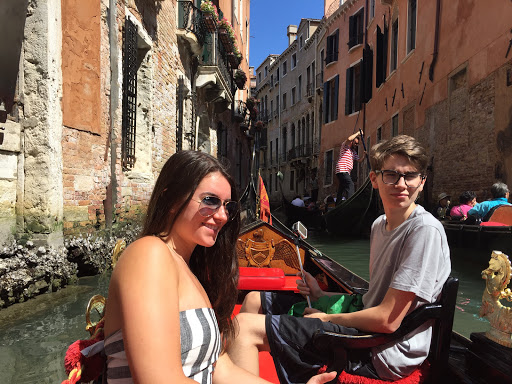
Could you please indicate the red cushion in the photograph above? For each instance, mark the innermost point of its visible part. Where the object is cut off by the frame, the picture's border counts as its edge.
(492, 224)
(261, 278)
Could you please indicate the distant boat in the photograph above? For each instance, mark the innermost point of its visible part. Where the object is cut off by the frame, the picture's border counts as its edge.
(494, 234)
(354, 216)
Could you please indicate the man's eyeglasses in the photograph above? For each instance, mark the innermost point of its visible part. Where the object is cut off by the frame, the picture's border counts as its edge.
(209, 205)
(411, 179)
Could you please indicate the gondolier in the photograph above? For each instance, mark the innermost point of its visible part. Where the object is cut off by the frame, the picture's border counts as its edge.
(344, 165)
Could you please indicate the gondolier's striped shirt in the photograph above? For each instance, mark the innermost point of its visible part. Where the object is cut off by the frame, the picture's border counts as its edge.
(346, 158)
(200, 348)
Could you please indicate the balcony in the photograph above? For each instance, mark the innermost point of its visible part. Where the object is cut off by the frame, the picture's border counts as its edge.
(320, 80)
(264, 116)
(309, 92)
(213, 70)
(240, 111)
(191, 28)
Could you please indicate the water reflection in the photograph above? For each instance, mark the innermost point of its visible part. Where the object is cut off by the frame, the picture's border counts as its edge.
(35, 335)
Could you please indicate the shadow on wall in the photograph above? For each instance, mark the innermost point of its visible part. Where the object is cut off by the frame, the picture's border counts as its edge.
(13, 14)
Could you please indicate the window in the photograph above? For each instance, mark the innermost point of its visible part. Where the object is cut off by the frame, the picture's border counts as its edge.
(382, 54)
(277, 105)
(328, 168)
(277, 75)
(332, 47)
(265, 71)
(259, 77)
(331, 88)
(356, 29)
(294, 60)
(271, 81)
(379, 134)
(270, 184)
(292, 180)
(271, 154)
(271, 108)
(394, 46)
(301, 42)
(285, 67)
(372, 9)
(293, 96)
(411, 26)
(353, 89)
(394, 124)
(300, 88)
(284, 102)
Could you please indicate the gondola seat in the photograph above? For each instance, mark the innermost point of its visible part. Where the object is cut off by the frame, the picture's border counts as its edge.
(442, 312)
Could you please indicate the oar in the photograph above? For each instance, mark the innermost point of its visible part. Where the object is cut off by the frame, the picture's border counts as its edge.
(301, 232)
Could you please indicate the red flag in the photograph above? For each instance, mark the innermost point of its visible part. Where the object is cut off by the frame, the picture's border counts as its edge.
(264, 204)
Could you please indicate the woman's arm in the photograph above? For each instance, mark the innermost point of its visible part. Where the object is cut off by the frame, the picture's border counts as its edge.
(146, 287)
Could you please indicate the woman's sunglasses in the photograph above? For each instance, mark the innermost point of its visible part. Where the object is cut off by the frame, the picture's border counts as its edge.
(209, 205)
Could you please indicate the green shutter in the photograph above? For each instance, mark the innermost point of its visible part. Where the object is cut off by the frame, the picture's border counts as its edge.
(348, 92)
(326, 102)
(336, 97)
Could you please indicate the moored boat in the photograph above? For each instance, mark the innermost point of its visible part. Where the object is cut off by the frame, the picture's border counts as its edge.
(354, 216)
(496, 233)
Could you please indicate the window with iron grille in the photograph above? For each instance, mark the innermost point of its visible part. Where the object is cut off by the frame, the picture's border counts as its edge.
(129, 94)
(411, 26)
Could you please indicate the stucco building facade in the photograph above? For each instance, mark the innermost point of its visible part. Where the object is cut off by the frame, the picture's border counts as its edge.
(439, 71)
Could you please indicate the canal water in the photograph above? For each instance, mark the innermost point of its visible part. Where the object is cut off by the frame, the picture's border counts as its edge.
(35, 335)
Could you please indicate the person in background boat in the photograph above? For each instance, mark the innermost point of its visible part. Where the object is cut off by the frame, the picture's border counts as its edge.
(500, 194)
(344, 165)
(467, 200)
(172, 292)
(442, 211)
(409, 263)
(313, 185)
(298, 202)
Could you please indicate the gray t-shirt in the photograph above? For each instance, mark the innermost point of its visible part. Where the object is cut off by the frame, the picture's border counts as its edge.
(414, 257)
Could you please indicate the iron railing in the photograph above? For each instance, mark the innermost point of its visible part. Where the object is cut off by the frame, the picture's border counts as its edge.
(190, 18)
(240, 110)
(320, 80)
(309, 90)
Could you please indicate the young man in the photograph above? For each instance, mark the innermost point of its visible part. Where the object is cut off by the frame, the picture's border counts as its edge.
(409, 263)
(344, 165)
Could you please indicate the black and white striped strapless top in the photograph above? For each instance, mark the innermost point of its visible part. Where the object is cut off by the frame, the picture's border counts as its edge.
(200, 348)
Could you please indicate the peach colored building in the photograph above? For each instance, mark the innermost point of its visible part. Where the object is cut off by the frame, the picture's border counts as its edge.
(439, 71)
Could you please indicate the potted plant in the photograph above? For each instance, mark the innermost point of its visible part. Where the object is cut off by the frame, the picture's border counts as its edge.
(251, 103)
(210, 15)
(226, 34)
(258, 126)
(240, 78)
(234, 57)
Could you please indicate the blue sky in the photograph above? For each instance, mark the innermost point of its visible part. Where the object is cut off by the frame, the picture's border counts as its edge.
(269, 19)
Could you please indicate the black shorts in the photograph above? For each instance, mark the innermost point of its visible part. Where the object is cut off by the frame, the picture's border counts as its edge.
(290, 340)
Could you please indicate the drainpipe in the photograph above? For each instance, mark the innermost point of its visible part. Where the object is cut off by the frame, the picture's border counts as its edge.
(436, 42)
(111, 196)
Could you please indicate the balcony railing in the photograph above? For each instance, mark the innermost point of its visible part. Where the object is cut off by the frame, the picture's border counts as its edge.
(214, 54)
(191, 19)
(299, 151)
(309, 90)
(264, 116)
(320, 80)
(316, 146)
(283, 157)
(240, 110)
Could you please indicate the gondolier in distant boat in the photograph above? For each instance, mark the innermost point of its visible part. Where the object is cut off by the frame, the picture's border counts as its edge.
(344, 165)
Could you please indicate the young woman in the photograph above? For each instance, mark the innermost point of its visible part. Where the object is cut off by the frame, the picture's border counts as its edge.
(168, 317)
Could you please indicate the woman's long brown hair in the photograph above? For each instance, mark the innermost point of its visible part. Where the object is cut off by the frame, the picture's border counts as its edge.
(216, 267)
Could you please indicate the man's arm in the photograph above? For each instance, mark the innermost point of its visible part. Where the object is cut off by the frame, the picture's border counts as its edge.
(384, 318)
(352, 137)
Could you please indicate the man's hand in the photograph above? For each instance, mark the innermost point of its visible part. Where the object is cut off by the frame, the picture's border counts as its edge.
(322, 378)
(313, 313)
(310, 287)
